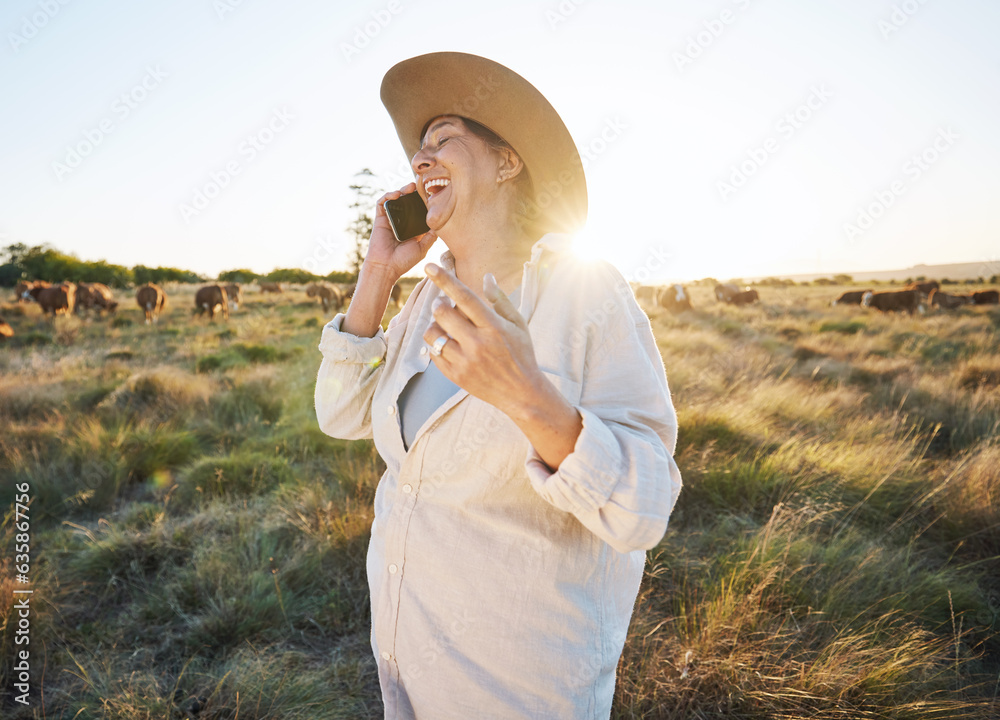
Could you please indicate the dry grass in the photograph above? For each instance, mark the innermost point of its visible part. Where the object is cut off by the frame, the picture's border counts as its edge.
(199, 545)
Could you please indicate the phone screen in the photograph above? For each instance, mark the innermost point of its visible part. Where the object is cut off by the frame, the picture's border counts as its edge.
(407, 215)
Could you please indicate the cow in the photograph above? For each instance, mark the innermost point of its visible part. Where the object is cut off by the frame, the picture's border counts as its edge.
(271, 287)
(210, 297)
(894, 300)
(97, 296)
(725, 292)
(152, 300)
(6, 331)
(851, 297)
(924, 288)
(986, 297)
(55, 299)
(396, 295)
(235, 294)
(327, 294)
(946, 301)
(23, 289)
(347, 291)
(674, 298)
(747, 297)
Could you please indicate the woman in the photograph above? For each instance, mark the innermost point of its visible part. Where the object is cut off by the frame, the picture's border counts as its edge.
(520, 405)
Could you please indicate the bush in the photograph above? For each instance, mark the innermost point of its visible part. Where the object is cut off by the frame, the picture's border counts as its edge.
(290, 275)
(238, 276)
(237, 474)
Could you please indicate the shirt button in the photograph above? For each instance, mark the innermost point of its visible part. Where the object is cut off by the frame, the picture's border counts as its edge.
(386, 656)
(390, 410)
(423, 350)
(407, 488)
(393, 568)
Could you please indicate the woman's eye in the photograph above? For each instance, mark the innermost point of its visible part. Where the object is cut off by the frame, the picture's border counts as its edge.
(442, 141)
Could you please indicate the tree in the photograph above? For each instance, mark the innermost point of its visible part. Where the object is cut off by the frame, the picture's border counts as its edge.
(843, 279)
(365, 191)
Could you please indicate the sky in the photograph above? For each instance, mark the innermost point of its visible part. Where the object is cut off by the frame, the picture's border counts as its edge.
(731, 138)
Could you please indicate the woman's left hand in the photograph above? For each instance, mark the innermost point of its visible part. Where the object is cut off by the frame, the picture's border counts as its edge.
(489, 352)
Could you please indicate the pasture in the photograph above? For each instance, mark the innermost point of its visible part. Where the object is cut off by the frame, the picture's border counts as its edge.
(198, 545)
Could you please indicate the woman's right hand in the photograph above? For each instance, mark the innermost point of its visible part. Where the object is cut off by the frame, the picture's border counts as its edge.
(385, 253)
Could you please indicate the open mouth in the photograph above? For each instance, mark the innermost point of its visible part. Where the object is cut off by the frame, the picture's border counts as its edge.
(436, 185)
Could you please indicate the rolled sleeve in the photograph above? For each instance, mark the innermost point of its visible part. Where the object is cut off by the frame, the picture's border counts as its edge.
(621, 480)
(346, 380)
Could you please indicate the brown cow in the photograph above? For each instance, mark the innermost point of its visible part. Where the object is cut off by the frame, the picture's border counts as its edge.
(152, 300)
(327, 294)
(210, 297)
(674, 298)
(851, 297)
(235, 294)
(747, 297)
(56, 298)
(6, 330)
(23, 289)
(725, 292)
(924, 288)
(946, 301)
(95, 296)
(986, 297)
(395, 295)
(271, 287)
(891, 301)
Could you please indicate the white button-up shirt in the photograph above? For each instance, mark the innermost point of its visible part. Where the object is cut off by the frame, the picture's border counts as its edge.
(501, 589)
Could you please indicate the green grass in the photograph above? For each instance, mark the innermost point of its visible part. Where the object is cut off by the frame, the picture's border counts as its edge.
(199, 544)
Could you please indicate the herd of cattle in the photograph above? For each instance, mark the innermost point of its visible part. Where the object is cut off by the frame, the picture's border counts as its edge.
(915, 297)
(67, 298)
(81, 298)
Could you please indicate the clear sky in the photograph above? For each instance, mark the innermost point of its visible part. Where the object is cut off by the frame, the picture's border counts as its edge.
(726, 138)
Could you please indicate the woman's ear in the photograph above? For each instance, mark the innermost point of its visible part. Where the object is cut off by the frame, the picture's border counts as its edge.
(510, 165)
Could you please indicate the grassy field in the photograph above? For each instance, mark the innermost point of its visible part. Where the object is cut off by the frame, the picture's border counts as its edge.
(198, 545)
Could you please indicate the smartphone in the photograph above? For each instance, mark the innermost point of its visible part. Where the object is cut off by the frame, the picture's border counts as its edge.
(407, 215)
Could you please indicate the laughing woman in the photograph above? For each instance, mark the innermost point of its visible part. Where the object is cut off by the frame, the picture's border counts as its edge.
(521, 407)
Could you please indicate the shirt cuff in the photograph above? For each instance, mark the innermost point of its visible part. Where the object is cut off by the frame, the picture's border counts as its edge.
(342, 347)
(587, 476)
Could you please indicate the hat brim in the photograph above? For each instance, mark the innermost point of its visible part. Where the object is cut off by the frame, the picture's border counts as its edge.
(450, 83)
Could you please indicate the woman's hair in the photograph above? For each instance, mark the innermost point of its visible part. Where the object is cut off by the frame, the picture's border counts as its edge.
(524, 198)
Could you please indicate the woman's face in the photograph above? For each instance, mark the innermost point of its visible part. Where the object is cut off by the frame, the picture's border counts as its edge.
(456, 172)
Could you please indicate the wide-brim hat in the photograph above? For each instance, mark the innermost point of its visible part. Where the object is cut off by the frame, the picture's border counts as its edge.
(417, 90)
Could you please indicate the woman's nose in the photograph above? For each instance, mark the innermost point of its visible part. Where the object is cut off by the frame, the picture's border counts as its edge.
(421, 161)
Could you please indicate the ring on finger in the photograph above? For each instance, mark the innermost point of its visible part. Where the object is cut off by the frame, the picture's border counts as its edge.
(438, 345)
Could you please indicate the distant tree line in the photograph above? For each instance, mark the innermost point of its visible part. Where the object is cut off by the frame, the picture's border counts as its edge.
(41, 262)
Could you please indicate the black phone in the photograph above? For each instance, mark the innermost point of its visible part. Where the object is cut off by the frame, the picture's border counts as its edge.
(407, 215)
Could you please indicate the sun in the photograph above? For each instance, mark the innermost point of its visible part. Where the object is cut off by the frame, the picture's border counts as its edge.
(587, 246)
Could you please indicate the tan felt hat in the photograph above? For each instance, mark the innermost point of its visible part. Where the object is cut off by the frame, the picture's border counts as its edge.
(451, 83)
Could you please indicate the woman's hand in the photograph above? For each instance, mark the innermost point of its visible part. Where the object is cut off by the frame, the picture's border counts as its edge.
(385, 253)
(489, 353)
